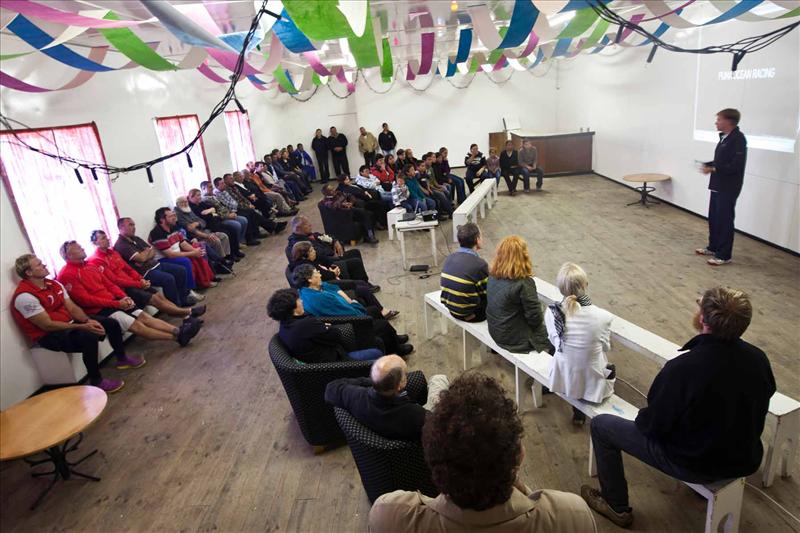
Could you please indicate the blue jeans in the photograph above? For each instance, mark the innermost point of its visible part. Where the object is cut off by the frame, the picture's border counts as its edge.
(458, 188)
(423, 204)
(367, 354)
(237, 226)
(172, 280)
(612, 435)
(526, 176)
(184, 263)
(470, 177)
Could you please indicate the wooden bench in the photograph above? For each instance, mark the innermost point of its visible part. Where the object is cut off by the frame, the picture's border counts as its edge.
(724, 497)
(466, 212)
(783, 418)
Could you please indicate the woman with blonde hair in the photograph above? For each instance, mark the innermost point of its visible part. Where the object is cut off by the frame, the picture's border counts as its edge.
(513, 312)
(581, 334)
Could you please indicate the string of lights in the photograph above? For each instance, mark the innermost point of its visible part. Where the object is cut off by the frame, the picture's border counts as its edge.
(10, 124)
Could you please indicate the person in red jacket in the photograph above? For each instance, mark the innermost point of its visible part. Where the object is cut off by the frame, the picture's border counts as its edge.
(119, 272)
(48, 318)
(99, 296)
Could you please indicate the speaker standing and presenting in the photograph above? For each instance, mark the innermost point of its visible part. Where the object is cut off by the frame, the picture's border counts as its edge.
(725, 184)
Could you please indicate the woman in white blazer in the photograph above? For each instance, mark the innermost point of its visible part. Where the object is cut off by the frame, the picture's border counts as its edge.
(581, 334)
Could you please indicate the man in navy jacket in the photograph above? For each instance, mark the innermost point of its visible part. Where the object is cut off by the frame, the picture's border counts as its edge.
(727, 176)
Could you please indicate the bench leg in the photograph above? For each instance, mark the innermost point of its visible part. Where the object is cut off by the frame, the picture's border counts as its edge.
(471, 345)
(402, 239)
(516, 386)
(592, 462)
(725, 507)
(428, 325)
(536, 392)
(483, 211)
(781, 451)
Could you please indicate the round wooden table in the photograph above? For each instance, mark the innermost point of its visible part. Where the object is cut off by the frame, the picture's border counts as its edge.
(47, 423)
(644, 189)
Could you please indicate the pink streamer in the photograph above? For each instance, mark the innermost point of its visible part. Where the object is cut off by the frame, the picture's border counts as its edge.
(43, 12)
(316, 64)
(206, 71)
(636, 19)
(351, 87)
(425, 20)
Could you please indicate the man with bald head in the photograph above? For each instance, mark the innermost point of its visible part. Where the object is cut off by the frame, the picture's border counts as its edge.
(381, 403)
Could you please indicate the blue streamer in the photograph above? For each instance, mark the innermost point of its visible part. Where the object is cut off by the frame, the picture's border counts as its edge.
(742, 7)
(561, 47)
(522, 20)
(539, 58)
(658, 33)
(451, 69)
(603, 43)
(291, 36)
(37, 38)
(464, 45)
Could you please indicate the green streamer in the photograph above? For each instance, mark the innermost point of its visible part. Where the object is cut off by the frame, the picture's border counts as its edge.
(124, 40)
(583, 20)
(387, 68)
(597, 34)
(363, 48)
(474, 66)
(494, 56)
(284, 81)
(320, 20)
(315, 79)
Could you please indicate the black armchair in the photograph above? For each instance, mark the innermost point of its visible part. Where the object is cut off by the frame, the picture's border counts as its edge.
(340, 224)
(305, 384)
(387, 465)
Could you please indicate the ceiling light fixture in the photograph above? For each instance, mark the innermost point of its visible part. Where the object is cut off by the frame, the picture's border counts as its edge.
(454, 6)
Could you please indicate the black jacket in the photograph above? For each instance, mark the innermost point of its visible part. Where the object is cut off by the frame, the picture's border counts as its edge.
(707, 407)
(396, 417)
(508, 163)
(320, 146)
(387, 140)
(325, 252)
(311, 341)
(730, 158)
(339, 141)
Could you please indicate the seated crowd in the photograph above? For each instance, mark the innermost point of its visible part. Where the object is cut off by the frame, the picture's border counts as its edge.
(714, 394)
(187, 250)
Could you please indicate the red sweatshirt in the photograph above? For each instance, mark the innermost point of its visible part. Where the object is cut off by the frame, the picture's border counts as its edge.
(115, 268)
(89, 288)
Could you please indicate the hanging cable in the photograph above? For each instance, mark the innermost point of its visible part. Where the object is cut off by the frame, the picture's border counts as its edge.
(738, 49)
(9, 124)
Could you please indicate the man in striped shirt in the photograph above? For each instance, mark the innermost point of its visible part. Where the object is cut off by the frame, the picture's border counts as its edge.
(464, 277)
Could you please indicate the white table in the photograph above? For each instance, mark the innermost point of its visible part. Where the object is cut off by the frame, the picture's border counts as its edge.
(416, 225)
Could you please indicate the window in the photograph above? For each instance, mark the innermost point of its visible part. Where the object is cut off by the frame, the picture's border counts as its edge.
(52, 205)
(173, 134)
(240, 139)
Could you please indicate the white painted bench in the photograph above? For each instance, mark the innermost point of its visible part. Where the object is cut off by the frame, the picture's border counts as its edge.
(59, 368)
(783, 418)
(466, 212)
(392, 217)
(724, 497)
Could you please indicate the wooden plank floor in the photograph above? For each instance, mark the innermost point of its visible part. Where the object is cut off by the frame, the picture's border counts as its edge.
(203, 437)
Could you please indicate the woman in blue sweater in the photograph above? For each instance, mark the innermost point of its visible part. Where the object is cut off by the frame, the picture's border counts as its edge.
(325, 299)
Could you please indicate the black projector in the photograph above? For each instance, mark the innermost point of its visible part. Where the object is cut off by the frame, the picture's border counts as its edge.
(427, 216)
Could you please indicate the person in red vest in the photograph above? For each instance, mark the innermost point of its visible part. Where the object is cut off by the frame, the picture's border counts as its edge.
(120, 273)
(99, 296)
(48, 318)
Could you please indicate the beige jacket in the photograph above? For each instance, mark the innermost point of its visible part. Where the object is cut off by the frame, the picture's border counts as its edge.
(549, 511)
(367, 143)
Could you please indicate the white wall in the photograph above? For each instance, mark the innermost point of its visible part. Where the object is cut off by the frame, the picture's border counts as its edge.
(123, 104)
(644, 118)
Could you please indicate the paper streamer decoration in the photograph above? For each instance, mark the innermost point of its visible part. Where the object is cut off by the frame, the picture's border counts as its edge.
(185, 29)
(37, 38)
(320, 20)
(582, 21)
(291, 37)
(522, 20)
(423, 19)
(387, 67)
(43, 12)
(97, 55)
(356, 13)
(133, 47)
(367, 50)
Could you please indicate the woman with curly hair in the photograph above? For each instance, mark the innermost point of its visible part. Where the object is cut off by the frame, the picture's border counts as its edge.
(513, 312)
(473, 445)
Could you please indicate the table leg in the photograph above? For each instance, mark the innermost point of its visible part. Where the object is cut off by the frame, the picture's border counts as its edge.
(433, 246)
(62, 468)
(644, 199)
(401, 237)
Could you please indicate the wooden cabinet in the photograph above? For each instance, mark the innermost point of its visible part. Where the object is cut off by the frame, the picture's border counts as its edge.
(560, 153)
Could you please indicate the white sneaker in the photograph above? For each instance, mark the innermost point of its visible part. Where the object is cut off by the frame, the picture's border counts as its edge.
(715, 261)
(198, 297)
(703, 251)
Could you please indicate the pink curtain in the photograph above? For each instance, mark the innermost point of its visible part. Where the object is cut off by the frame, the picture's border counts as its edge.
(240, 139)
(173, 134)
(52, 205)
